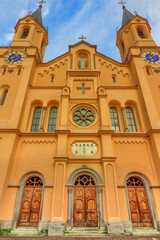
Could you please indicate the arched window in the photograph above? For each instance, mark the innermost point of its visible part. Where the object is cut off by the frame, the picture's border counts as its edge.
(18, 71)
(52, 119)
(4, 97)
(148, 70)
(25, 33)
(123, 46)
(36, 119)
(114, 119)
(131, 120)
(114, 79)
(141, 33)
(4, 70)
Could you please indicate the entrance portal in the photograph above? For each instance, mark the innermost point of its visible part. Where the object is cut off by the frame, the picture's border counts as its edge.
(85, 203)
(31, 201)
(138, 202)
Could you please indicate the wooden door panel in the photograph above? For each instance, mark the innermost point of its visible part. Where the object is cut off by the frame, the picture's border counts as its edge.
(143, 207)
(135, 215)
(35, 206)
(26, 206)
(79, 207)
(91, 206)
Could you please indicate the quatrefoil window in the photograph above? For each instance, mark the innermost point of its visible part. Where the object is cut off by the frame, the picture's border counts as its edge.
(83, 116)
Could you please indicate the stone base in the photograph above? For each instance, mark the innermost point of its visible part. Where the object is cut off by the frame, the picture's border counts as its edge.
(115, 228)
(158, 225)
(43, 225)
(127, 226)
(6, 224)
(56, 228)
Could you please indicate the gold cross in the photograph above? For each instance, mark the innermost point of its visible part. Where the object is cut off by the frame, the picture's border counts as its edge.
(41, 3)
(82, 37)
(123, 4)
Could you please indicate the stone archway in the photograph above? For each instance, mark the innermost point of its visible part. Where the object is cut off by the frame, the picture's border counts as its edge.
(149, 206)
(19, 202)
(85, 171)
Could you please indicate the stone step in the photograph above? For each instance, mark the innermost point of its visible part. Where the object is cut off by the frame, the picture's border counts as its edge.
(145, 231)
(25, 231)
(83, 232)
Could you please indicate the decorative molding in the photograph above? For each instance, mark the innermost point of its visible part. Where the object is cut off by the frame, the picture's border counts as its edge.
(38, 141)
(129, 141)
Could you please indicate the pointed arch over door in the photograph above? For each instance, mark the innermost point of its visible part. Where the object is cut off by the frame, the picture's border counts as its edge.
(31, 202)
(138, 202)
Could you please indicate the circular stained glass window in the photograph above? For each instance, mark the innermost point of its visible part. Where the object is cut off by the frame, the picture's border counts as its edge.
(83, 116)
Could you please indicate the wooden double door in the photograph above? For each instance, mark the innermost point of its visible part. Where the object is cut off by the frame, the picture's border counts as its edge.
(85, 203)
(138, 202)
(31, 201)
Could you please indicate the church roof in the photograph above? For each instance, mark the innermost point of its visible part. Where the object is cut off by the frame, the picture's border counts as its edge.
(38, 15)
(126, 16)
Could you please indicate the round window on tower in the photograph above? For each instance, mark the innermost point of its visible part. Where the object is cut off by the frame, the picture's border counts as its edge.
(83, 116)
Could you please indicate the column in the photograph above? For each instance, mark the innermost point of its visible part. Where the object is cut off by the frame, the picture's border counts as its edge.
(104, 111)
(43, 118)
(126, 129)
(100, 189)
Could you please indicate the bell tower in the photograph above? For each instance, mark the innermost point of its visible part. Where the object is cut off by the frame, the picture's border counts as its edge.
(134, 32)
(29, 32)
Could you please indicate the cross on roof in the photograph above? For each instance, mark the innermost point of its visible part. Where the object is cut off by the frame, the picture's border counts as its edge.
(82, 37)
(30, 12)
(135, 12)
(123, 4)
(41, 3)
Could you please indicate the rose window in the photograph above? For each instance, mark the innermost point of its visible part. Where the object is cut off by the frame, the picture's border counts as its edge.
(83, 116)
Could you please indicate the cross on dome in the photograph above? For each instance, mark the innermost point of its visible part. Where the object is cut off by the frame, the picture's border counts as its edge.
(82, 37)
(41, 3)
(123, 4)
(135, 12)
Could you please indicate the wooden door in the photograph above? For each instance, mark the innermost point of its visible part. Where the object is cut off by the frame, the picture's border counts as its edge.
(31, 201)
(138, 202)
(85, 203)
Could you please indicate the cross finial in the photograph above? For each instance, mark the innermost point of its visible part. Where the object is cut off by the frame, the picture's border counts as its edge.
(135, 12)
(82, 37)
(30, 12)
(123, 4)
(41, 3)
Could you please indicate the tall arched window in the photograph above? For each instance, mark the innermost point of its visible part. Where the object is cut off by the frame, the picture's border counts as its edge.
(114, 119)
(25, 33)
(36, 119)
(52, 119)
(141, 33)
(4, 96)
(131, 120)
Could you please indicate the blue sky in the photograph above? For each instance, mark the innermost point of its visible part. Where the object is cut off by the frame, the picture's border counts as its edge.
(68, 19)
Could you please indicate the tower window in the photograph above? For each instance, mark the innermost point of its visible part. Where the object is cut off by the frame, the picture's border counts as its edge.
(18, 71)
(123, 46)
(114, 119)
(4, 97)
(25, 33)
(52, 119)
(131, 120)
(114, 79)
(3, 71)
(36, 119)
(52, 79)
(149, 71)
(141, 33)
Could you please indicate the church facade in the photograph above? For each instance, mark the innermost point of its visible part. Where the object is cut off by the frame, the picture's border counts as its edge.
(80, 135)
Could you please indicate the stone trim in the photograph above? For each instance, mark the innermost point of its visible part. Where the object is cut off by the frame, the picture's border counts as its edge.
(20, 196)
(149, 198)
(99, 187)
